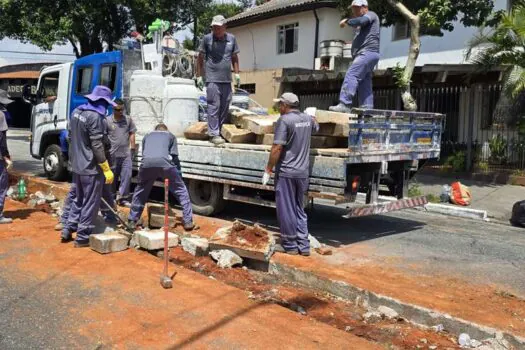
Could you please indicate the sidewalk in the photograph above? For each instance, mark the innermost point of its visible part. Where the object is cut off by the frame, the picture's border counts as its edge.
(497, 200)
(88, 300)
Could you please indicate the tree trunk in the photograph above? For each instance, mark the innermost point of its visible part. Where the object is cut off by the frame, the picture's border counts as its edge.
(409, 103)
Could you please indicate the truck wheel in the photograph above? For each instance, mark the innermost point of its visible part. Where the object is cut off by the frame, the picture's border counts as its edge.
(206, 197)
(54, 163)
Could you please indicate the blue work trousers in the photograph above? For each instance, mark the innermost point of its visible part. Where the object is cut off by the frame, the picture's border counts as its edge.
(293, 222)
(4, 185)
(219, 97)
(359, 79)
(87, 203)
(147, 177)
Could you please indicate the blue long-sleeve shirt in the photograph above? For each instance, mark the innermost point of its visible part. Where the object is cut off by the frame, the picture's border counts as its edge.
(367, 40)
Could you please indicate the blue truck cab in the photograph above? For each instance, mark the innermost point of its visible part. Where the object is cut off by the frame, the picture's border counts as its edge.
(61, 88)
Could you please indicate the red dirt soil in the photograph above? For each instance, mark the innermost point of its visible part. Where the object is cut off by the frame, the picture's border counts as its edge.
(132, 310)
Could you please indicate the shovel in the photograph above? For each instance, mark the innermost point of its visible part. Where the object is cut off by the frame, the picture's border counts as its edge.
(165, 280)
(126, 227)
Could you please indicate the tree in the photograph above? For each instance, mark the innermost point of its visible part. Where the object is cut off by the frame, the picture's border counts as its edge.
(504, 46)
(434, 17)
(86, 24)
(213, 9)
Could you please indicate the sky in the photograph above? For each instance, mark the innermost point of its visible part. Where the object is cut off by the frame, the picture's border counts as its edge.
(15, 52)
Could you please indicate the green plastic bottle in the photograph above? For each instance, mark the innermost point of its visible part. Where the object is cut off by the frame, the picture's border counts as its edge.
(22, 191)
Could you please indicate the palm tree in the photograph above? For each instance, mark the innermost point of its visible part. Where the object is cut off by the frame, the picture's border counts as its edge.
(504, 46)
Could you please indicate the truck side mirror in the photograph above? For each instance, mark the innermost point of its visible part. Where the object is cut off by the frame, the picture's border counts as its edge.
(27, 95)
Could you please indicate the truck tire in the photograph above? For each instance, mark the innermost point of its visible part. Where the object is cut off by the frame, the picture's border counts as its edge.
(54, 163)
(206, 197)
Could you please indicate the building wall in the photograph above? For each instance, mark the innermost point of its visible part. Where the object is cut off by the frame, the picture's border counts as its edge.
(258, 41)
(267, 85)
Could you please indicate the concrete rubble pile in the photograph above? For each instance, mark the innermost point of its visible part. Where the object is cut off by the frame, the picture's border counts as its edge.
(250, 128)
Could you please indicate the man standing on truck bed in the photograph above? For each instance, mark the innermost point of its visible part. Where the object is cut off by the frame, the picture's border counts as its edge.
(88, 161)
(5, 157)
(121, 134)
(365, 53)
(159, 160)
(220, 51)
(290, 154)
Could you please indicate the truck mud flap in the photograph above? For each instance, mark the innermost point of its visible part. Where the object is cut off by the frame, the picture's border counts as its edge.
(385, 207)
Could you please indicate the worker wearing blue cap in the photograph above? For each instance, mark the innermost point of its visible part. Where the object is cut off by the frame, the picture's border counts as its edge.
(365, 53)
(88, 161)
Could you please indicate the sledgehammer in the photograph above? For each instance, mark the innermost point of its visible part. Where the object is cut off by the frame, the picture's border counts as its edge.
(165, 280)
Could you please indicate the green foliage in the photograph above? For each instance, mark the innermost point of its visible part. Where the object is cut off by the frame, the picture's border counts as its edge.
(456, 161)
(503, 44)
(88, 22)
(414, 190)
(437, 14)
(188, 44)
(482, 166)
(498, 149)
(400, 79)
(432, 198)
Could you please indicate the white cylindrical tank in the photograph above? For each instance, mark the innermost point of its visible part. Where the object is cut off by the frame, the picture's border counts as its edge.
(180, 104)
(146, 94)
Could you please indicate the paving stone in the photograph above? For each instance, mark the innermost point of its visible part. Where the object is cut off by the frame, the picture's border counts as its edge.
(259, 125)
(323, 142)
(197, 131)
(237, 116)
(334, 129)
(195, 246)
(266, 139)
(108, 243)
(323, 116)
(154, 240)
(233, 134)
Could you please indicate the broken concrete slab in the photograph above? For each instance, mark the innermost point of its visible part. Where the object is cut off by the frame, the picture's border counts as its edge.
(238, 115)
(155, 214)
(334, 129)
(108, 243)
(195, 246)
(233, 134)
(154, 240)
(226, 258)
(259, 125)
(387, 312)
(246, 241)
(197, 131)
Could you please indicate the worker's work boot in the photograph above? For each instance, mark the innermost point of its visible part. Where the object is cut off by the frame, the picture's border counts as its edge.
(59, 227)
(341, 108)
(66, 236)
(217, 140)
(280, 249)
(4, 220)
(189, 227)
(82, 244)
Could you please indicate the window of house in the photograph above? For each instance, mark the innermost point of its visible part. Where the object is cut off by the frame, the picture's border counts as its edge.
(400, 31)
(108, 76)
(287, 38)
(84, 75)
(249, 88)
(49, 85)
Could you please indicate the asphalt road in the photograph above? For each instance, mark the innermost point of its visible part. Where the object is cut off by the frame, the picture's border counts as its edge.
(480, 252)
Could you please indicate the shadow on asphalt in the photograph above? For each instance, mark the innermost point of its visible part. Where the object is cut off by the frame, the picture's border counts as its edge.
(327, 224)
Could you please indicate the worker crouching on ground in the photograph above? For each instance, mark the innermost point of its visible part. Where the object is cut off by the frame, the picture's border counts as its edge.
(5, 158)
(88, 162)
(365, 53)
(220, 52)
(290, 154)
(159, 160)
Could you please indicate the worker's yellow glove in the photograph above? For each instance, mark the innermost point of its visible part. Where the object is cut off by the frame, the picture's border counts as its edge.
(108, 174)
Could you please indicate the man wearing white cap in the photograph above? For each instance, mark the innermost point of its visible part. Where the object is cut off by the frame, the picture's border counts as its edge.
(220, 51)
(365, 52)
(5, 158)
(290, 154)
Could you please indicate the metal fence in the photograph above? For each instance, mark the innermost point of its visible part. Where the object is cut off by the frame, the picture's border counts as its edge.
(480, 133)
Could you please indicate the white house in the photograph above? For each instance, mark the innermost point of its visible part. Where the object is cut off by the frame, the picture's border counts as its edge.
(287, 33)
